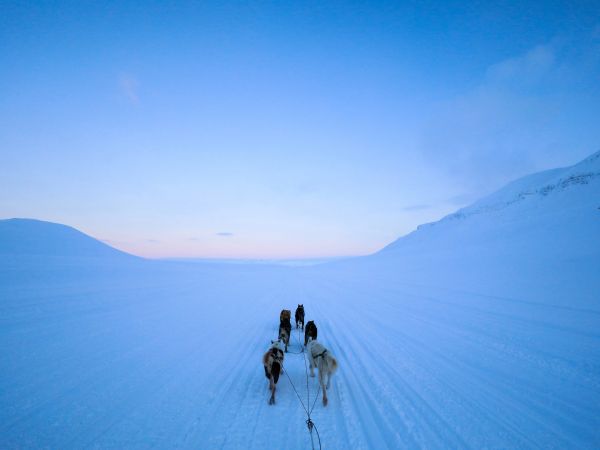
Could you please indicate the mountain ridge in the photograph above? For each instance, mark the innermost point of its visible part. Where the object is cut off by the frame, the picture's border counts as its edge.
(574, 189)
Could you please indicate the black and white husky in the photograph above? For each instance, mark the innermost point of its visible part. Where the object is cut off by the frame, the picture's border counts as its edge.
(299, 316)
(310, 332)
(322, 359)
(273, 364)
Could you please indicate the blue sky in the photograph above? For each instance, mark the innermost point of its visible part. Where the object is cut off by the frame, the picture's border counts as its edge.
(284, 129)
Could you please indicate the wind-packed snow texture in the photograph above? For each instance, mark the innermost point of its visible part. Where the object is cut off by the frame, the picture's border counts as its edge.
(480, 330)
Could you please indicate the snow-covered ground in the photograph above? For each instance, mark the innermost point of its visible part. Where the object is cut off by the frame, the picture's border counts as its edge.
(481, 330)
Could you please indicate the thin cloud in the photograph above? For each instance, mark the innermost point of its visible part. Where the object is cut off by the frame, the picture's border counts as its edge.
(129, 87)
(420, 207)
(524, 115)
(224, 234)
(112, 242)
(526, 68)
(461, 199)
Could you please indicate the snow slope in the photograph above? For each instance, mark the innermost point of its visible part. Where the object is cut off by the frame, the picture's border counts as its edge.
(543, 228)
(481, 330)
(538, 208)
(29, 237)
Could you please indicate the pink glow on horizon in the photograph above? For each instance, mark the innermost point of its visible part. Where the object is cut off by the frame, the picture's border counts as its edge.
(241, 252)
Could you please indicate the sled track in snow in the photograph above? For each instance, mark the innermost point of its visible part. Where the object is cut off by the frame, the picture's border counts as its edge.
(177, 364)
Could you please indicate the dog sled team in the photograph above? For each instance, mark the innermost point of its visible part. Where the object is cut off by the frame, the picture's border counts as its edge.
(319, 357)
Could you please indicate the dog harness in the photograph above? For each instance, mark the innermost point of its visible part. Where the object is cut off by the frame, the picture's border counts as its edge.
(277, 354)
(320, 354)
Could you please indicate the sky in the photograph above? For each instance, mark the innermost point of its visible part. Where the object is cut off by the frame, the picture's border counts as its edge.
(284, 129)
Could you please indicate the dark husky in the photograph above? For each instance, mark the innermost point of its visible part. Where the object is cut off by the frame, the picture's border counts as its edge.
(273, 362)
(310, 331)
(285, 314)
(300, 316)
(285, 331)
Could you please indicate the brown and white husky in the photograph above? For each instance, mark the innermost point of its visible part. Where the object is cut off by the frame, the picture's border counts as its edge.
(322, 359)
(273, 364)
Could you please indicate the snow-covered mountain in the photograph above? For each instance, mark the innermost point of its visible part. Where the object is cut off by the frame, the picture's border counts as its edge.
(539, 237)
(37, 238)
(544, 212)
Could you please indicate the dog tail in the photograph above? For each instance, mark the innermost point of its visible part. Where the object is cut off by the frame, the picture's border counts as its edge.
(333, 364)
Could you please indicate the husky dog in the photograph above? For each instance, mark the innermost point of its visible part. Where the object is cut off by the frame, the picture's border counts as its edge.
(285, 314)
(273, 364)
(300, 316)
(322, 359)
(310, 331)
(285, 331)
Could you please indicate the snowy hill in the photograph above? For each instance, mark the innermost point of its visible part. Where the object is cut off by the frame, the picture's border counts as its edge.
(539, 235)
(547, 184)
(565, 200)
(478, 331)
(29, 237)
